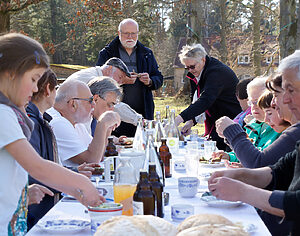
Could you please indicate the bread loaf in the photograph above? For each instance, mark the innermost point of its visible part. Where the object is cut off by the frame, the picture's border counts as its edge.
(213, 229)
(142, 225)
(202, 219)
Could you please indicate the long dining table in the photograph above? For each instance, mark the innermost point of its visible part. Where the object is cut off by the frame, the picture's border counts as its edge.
(243, 214)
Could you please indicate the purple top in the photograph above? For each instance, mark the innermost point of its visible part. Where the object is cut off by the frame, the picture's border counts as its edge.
(253, 157)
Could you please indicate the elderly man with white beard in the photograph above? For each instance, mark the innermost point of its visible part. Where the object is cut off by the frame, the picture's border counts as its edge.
(143, 66)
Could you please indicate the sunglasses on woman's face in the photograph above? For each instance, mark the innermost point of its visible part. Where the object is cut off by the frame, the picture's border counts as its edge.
(192, 67)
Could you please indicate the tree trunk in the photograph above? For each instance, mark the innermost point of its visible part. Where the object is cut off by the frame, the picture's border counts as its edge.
(4, 22)
(256, 37)
(223, 49)
(195, 26)
(288, 27)
(298, 27)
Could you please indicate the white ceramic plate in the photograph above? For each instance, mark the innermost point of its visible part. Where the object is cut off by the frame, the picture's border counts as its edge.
(63, 226)
(214, 202)
(212, 164)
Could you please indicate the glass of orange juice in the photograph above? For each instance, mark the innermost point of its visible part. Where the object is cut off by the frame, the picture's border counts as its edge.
(124, 194)
(125, 184)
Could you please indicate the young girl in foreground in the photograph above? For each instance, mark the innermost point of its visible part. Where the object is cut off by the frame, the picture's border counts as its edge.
(22, 62)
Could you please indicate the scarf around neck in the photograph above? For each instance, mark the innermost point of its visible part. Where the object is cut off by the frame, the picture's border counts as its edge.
(25, 123)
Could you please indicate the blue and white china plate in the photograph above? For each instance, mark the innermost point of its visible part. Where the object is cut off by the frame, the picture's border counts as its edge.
(63, 226)
(215, 202)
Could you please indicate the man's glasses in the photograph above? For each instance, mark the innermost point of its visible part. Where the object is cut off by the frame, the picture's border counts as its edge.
(127, 34)
(90, 99)
(109, 104)
(192, 67)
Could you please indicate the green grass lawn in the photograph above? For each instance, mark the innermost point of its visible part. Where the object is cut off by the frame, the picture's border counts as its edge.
(178, 105)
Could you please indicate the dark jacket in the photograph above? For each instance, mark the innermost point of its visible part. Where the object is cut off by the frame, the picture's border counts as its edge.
(286, 177)
(41, 140)
(145, 63)
(217, 87)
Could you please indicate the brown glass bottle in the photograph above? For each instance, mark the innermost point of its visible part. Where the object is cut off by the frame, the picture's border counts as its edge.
(157, 188)
(166, 157)
(111, 150)
(144, 197)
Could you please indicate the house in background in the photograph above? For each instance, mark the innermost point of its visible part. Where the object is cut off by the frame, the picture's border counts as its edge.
(240, 57)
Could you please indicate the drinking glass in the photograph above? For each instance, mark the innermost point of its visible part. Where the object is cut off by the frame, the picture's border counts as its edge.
(209, 148)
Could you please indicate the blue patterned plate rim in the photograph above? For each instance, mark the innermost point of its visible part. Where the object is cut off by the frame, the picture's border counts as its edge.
(63, 225)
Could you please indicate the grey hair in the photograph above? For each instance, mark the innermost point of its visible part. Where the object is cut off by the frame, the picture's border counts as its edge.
(195, 51)
(290, 62)
(103, 84)
(127, 21)
(258, 83)
(67, 90)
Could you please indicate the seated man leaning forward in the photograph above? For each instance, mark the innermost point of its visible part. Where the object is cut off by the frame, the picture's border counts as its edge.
(116, 69)
(73, 107)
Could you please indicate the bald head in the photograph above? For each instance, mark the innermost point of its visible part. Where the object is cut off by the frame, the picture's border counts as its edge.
(128, 21)
(69, 89)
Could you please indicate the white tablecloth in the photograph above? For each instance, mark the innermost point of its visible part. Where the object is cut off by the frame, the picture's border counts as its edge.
(245, 213)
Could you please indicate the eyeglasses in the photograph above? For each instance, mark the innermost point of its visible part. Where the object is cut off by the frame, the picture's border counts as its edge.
(90, 99)
(250, 103)
(127, 34)
(109, 104)
(192, 67)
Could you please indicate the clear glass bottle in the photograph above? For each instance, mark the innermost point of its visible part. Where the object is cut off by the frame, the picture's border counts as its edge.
(166, 119)
(139, 137)
(125, 185)
(151, 155)
(172, 134)
(144, 197)
(159, 130)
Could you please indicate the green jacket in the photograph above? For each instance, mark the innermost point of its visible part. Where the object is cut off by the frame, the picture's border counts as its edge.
(260, 134)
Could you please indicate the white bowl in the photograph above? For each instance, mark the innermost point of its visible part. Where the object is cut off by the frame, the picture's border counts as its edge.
(188, 186)
(181, 211)
(103, 212)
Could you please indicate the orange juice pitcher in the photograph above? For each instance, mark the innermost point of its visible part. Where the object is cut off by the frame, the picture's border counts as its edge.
(125, 184)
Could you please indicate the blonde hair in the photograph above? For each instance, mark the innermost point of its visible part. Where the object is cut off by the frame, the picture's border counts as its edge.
(258, 83)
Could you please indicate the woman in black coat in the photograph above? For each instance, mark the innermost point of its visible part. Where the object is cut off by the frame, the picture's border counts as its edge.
(213, 86)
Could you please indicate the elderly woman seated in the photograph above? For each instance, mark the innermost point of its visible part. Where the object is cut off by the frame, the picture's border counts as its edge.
(251, 156)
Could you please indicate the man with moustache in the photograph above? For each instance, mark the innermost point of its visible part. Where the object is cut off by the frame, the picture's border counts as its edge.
(139, 59)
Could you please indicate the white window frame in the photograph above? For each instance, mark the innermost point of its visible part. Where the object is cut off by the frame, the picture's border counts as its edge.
(243, 59)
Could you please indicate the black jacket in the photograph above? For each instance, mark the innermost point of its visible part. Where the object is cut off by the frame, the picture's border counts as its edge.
(217, 86)
(286, 177)
(41, 140)
(145, 63)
